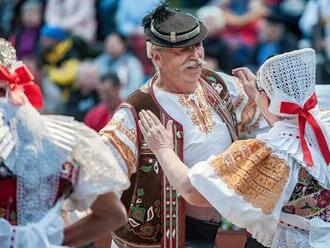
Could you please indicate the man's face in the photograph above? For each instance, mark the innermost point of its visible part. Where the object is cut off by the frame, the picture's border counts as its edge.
(184, 63)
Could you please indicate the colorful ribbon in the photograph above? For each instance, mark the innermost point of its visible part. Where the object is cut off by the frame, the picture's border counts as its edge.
(22, 78)
(305, 116)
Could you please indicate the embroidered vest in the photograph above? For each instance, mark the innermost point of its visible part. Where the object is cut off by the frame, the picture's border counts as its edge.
(156, 212)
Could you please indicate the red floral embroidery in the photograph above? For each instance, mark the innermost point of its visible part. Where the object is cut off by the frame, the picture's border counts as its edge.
(323, 200)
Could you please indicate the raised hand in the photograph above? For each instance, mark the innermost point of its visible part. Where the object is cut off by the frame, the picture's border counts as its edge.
(154, 133)
(248, 80)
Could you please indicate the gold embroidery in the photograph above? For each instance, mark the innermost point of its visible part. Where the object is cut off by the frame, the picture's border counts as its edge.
(252, 171)
(201, 116)
(125, 152)
(120, 126)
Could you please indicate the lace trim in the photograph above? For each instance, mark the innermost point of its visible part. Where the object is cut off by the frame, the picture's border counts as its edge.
(249, 168)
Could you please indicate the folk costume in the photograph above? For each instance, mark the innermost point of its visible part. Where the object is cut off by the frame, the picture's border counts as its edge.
(278, 185)
(44, 161)
(217, 108)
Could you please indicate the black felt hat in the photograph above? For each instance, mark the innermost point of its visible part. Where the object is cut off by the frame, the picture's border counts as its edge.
(173, 28)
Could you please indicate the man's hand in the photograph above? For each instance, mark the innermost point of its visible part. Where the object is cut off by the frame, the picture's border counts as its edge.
(154, 133)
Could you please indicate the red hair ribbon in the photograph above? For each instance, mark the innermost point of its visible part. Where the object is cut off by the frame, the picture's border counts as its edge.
(21, 77)
(305, 116)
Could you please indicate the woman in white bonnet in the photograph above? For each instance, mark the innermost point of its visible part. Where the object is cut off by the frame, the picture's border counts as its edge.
(277, 186)
(45, 160)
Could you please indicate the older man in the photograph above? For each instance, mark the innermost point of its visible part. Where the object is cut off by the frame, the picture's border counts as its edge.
(206, 107)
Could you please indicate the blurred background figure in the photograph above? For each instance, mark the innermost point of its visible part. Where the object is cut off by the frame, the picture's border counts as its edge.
(75, 16)
(106, 17)
(315, 25)
(26, 34)
(130, 13)
(60, 55)
(272, 39)
(108, 91)
(83, 95)
(117, 58)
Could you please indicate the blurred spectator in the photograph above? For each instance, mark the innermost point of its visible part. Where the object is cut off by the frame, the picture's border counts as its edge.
(216, 50)
(26, 35)
(315, 24)
(84, 95)
(240, 32)
(130, 13)
(116, 58)
(6, 17)
(290, 11)
(60, 55)
(272, 39)
(108, 91)
(106, 10)
(323, 95)
(75, 16)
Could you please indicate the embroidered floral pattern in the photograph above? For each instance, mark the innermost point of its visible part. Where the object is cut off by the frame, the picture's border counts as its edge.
(309, 199)
(253, 172)
(199, 111)
(120, 126)
(9, 215)
(141, 220)
(125, 152)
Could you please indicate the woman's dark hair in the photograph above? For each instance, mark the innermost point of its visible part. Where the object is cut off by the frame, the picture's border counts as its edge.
(112, 77)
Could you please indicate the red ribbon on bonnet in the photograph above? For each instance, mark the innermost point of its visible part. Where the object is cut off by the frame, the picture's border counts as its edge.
(305, 116)
(22, 78)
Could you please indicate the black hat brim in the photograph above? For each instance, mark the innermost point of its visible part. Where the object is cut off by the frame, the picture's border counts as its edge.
(189, 42)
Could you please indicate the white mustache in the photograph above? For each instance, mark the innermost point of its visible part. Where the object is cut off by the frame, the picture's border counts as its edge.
(191, 63)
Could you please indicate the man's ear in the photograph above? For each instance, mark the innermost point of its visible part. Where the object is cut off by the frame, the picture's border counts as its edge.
(156, 57)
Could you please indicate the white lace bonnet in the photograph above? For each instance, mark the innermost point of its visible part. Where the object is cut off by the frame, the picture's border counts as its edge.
(288, 77)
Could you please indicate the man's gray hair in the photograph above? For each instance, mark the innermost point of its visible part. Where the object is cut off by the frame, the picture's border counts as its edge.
(150, 48)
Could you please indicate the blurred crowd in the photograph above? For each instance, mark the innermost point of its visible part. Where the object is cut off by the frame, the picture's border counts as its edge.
(89, 55)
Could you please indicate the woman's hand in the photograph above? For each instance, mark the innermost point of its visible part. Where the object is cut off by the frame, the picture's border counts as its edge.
(248, 80)
(154, 133)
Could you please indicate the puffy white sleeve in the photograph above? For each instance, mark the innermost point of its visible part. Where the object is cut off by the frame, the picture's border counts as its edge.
(99, 171)
(120, 135)
(248, 184)
(249, 119)
(48, 232)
